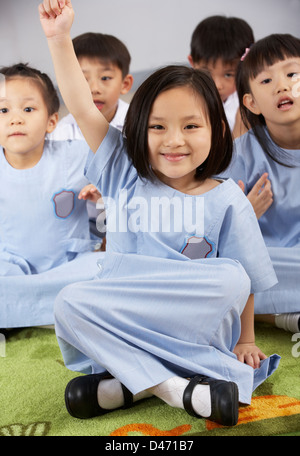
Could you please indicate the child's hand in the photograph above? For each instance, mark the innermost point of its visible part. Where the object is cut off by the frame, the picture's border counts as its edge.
(249, 354)
(260, 196)
(89, 192)
(56, 17)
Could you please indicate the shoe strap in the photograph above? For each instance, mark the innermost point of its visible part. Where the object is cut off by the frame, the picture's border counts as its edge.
(128, 397)
(187, 394)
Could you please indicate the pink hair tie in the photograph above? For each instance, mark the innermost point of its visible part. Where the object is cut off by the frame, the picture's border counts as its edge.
(245, 54)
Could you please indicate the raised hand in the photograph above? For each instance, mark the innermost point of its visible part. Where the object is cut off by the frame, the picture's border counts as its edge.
(56, 17)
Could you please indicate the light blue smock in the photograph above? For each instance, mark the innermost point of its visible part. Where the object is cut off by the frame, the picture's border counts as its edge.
(44, 229)
(164, 303)
(280, 224)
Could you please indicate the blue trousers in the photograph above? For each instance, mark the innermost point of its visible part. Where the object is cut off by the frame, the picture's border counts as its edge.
(285, 295)
(28, 299)
(146, 319)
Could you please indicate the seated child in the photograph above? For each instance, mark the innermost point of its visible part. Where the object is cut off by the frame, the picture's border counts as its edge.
(268, 87)
(217, 44)
(44, 232)
(105, 62)
(171, 300)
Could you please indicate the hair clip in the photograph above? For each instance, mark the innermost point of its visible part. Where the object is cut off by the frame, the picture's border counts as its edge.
(245, 54)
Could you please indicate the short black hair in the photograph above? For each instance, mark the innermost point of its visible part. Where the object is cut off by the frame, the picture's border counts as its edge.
(220, 37)
(136, 122)
(265, 52)
(42, 80)
(104, 47)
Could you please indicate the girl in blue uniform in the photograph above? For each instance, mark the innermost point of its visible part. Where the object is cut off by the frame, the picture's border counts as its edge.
(268, 83)
(44, 231)
(171, 311)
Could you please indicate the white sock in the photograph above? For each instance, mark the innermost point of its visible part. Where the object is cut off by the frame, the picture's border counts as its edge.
(110, 394)
(171, 391)
(288, 322)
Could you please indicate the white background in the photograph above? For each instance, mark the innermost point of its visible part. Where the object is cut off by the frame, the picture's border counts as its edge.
(156, 32)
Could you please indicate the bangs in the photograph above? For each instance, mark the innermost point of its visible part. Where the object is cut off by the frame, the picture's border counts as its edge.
(106, 48)
(269, 51)
(262, 55)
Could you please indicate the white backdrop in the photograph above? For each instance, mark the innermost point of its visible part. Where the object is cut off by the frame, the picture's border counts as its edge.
(156, 32)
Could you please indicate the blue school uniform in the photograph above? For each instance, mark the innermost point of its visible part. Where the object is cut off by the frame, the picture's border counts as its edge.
(280, 224)
(44, 227)
(164, 303)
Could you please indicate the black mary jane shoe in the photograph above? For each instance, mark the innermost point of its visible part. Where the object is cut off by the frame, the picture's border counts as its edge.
(224, 400)
(81, 396)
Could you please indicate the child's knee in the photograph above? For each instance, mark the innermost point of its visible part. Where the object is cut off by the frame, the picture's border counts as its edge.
(236, 281)
(63, 304)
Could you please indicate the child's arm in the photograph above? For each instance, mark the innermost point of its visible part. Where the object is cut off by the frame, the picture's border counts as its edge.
(56, 18)
(246, 350)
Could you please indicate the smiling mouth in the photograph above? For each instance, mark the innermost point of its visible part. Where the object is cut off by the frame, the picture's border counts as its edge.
(174, 157)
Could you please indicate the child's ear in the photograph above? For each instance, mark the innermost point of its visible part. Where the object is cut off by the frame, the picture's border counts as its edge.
(52, 122)
(190, 59)
(127, 84)
(250, 103)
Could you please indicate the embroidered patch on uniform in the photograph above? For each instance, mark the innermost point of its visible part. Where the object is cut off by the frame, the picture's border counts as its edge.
(64, 202)
(198, 247)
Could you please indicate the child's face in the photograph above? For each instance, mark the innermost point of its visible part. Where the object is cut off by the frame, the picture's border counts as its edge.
(179, 136)
(24, 121)
(106, 83)
(275, 94)
(223, 75)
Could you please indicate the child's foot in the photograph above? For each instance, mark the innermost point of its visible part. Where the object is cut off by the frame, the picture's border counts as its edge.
(111, 394)
(288, 322)
(202, 397)
(96, 394)
(224, 400)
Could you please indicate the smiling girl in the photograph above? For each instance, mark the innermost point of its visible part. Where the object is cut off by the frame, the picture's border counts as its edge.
(165, 316)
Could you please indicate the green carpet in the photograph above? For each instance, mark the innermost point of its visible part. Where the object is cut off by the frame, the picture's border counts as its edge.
(33, 379)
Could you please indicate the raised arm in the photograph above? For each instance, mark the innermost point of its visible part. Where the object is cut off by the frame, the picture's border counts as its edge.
(56, 18)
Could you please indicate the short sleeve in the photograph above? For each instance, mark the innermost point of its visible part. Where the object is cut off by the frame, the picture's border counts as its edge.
(110, 168)
(241, 239)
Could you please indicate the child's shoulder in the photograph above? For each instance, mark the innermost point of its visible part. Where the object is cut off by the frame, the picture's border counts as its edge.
(60, 149)
(233, 194)
(248, 147)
